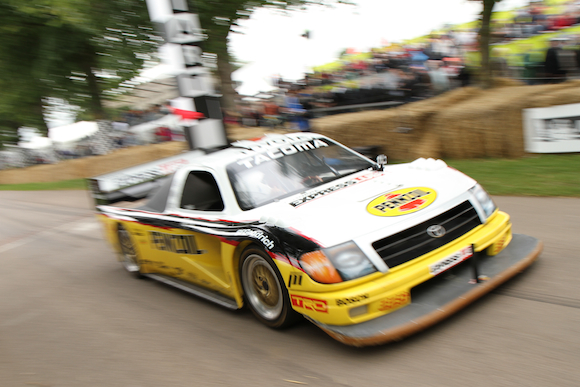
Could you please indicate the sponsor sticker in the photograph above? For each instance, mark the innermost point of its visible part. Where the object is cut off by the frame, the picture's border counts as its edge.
(152, 173)
(259, 235)
(295, 279)
(402, 201)
(393, 302)
(450, 261)
(309, 303)
(275, 151)
(351, 300)
(311, 195)
(174, 243)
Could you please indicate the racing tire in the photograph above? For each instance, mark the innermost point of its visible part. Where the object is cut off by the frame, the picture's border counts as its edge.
(130, 259)
(264, 289)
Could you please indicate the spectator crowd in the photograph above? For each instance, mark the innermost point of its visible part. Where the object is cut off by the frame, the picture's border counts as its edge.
(406, 73)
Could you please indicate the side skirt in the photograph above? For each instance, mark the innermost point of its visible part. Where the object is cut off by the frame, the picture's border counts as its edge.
(195, 290)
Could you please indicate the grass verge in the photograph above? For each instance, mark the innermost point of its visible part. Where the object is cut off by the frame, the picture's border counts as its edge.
(537, 175)
(58, 185)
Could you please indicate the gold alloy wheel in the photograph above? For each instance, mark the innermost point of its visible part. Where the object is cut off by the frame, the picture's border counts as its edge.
(265, 285)
(262, 288)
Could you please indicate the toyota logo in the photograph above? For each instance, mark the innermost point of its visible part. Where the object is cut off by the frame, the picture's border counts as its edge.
(436, 231)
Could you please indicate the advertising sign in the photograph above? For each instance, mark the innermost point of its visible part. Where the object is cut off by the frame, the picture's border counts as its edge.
(554, 129)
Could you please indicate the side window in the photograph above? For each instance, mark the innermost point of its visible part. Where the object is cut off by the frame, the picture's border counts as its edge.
(201, 193)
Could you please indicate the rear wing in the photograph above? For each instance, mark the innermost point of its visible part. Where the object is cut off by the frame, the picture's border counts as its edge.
(136, 182)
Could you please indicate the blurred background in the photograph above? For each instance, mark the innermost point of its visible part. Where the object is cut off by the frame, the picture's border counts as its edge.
(81, 78)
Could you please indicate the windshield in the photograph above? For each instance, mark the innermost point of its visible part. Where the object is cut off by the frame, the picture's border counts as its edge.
(263, 177)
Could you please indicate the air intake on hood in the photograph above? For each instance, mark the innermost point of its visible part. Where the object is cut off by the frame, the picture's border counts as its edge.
(416, 241)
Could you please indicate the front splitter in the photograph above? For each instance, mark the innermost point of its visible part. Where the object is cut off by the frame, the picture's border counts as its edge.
(441, 297)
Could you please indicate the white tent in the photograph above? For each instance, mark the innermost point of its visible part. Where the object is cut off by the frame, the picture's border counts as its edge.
(73, 132)
(37, 142)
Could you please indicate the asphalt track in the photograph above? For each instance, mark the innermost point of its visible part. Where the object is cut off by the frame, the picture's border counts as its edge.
(70, 316)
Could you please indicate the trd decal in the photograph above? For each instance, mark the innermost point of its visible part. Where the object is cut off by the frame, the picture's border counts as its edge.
(395, 301)
(175, 243)
(295, 279)
(309, 303)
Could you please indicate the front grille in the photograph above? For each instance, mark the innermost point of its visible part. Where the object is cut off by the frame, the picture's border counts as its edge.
(414, 242)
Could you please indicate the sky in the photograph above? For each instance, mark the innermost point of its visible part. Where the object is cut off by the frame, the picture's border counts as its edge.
(271, 42)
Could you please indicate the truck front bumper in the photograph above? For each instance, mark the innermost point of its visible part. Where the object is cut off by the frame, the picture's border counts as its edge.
(443, 295)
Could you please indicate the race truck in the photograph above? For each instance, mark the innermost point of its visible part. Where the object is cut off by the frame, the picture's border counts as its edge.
(298, 225)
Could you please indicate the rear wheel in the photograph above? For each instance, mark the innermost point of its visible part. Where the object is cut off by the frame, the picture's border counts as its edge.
(130, 259)
(264, 289)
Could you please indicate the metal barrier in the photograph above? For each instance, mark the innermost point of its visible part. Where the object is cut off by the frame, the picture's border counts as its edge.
(320, 112)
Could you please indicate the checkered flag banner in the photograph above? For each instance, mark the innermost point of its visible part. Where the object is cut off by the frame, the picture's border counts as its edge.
(102, 142)
(15, 158)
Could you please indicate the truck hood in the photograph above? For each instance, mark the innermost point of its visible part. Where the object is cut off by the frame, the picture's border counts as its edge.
(382, 202)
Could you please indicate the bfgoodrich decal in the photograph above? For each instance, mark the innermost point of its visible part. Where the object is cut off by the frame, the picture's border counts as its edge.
(259, 235)
(402, 201)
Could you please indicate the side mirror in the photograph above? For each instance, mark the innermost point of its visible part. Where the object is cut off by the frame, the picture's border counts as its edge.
(381, 162)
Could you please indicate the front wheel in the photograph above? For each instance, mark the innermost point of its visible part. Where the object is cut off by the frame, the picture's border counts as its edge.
(264, 291)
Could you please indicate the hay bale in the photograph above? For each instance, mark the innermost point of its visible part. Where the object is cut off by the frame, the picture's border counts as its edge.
(403, 133)
(93, 165)
(506, 82)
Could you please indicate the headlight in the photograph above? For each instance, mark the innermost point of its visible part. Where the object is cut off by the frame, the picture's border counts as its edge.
(484, 200)
(338, 263)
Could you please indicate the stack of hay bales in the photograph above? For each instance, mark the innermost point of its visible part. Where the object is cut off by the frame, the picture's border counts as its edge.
(461, 124)
(92, 165)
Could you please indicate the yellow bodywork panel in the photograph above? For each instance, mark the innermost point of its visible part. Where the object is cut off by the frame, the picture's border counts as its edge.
(212, 262)
(366, 298)
(201, 259)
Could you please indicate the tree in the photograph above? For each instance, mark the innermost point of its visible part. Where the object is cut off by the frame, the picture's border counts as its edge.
(69, 49)
(220, 17)
(80, 50)
(484, 38)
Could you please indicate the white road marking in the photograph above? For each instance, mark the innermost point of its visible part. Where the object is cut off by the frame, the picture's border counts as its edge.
(76, 227)
(14, 244)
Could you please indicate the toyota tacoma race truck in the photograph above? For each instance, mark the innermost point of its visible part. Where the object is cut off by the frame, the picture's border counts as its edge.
(299, 225)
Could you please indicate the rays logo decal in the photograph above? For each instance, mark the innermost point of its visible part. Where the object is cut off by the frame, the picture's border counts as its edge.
(402, 201)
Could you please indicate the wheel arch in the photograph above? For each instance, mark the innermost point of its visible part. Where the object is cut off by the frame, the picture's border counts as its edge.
(288, 315)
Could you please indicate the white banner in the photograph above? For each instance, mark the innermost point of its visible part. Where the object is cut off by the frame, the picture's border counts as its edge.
(554, 129)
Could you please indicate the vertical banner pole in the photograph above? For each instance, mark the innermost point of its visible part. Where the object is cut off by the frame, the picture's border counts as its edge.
(182, 51)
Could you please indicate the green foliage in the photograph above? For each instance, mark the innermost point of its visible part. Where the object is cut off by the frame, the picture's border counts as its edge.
(78, 49)
(69, 49)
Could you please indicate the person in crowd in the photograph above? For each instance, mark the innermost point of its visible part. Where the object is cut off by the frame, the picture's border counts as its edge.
(439, 78)
(554, 73)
